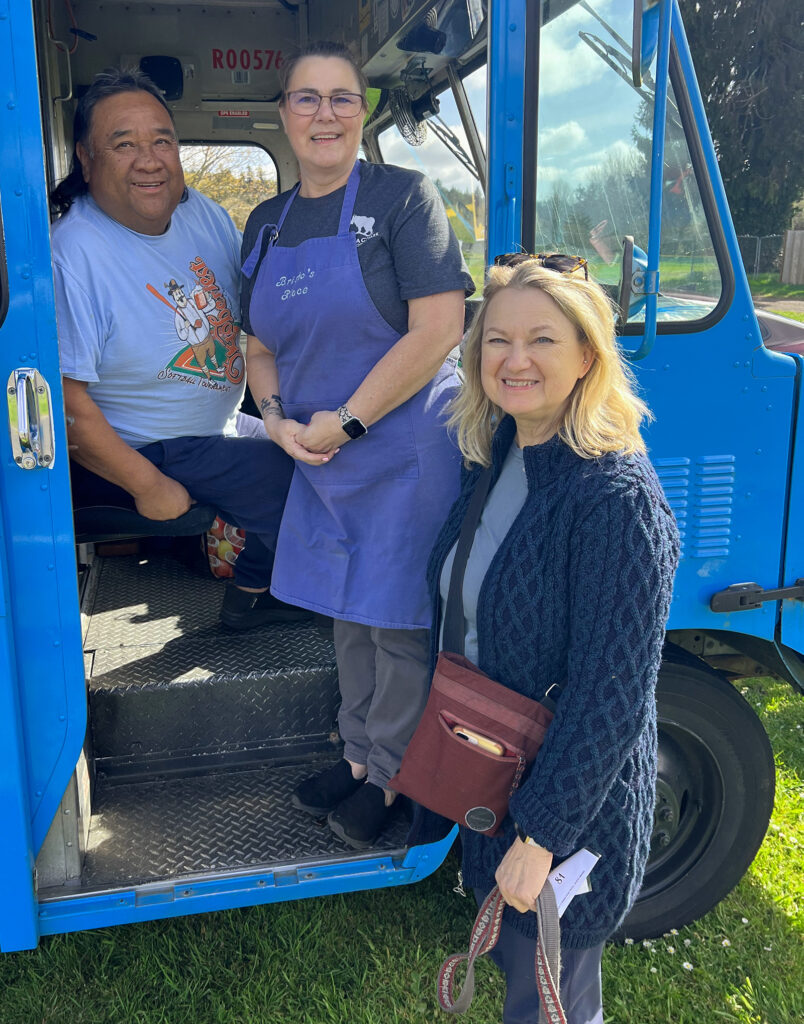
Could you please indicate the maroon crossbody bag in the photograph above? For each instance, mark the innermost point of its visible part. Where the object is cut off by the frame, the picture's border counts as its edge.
(476, 736)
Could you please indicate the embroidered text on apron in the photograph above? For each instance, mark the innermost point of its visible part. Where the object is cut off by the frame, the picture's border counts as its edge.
(356, 532)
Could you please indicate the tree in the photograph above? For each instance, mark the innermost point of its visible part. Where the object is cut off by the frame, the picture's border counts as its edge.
(749, 58)
(228, 175)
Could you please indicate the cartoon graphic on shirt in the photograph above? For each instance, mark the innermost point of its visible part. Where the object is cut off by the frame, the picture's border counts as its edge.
(192, 323)
(203, 321)
(363, 228)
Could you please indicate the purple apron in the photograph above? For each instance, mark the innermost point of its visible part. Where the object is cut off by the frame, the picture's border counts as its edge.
(356, 533)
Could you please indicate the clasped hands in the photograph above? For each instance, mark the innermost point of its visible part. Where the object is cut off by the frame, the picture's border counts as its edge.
(314, 443)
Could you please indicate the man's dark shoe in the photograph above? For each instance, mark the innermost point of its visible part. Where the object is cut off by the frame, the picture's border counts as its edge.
(361, 817)
(321, 793)
(244, 610)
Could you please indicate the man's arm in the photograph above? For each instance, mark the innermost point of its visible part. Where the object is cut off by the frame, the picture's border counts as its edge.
(96, 446)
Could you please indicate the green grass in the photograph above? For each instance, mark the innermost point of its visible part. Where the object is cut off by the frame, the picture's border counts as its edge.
(768, 286)
(371, 958)
(789, 314)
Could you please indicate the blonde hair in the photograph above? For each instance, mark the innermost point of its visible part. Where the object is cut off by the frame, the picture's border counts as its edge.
(604, 412)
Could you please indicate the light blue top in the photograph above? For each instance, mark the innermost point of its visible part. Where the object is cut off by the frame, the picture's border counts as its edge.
(150, 321)
(501, 509)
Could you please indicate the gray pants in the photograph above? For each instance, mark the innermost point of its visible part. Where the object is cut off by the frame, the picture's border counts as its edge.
(384, 677)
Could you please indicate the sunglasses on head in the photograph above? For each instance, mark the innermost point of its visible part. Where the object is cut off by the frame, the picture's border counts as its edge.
(557, 261)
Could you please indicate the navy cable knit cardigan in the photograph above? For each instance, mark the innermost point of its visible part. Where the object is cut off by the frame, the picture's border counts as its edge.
(578, 594)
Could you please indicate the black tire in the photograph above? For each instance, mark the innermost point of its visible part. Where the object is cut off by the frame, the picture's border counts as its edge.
(714, 798)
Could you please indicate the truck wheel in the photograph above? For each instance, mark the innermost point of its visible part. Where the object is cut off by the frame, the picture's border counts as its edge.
(714, 797)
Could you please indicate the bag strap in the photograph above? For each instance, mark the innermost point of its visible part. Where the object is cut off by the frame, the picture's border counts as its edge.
(454, 627)
(485, 933)
(454, 623)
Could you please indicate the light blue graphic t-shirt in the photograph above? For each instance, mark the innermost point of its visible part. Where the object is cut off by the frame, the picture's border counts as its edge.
(151, 322)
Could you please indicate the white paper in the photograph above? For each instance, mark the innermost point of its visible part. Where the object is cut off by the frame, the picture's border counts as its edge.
(571, 877)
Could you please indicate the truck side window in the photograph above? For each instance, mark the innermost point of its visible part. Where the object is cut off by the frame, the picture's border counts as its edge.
(236, 176)
(460, 190)
(593, 164)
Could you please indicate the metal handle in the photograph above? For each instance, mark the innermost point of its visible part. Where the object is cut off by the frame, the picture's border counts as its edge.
(30, 420)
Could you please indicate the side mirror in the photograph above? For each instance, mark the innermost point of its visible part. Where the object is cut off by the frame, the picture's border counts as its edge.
(632, 281)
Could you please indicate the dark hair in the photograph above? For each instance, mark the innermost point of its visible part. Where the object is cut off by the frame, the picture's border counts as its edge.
(323, 48)
(108, 83)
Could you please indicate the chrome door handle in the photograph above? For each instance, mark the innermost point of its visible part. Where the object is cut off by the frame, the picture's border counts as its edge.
(30, 419)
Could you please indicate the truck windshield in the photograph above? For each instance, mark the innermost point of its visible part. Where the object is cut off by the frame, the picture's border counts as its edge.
(593, 160)
(448, 167)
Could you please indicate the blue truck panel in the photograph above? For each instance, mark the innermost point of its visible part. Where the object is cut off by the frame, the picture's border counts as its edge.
(43, 718)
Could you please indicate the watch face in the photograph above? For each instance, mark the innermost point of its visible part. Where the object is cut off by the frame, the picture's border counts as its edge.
(354, 428)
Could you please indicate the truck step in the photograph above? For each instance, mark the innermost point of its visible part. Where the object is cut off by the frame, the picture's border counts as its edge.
(170, 690)
(220, 821)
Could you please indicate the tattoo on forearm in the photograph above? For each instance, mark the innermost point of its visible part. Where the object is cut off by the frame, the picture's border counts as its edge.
(272, 407)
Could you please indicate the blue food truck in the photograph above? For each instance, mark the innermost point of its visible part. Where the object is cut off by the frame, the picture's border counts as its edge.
(147, 757)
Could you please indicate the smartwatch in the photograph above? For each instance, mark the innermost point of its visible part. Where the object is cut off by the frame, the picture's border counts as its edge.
(352, 426)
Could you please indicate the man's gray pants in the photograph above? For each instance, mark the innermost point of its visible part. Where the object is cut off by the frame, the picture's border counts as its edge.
(384, 677)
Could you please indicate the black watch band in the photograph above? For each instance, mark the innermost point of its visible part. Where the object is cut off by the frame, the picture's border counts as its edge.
(522, 835)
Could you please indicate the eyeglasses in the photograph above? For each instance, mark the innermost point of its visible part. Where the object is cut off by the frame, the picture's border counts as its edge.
(552, 261)
(342, 104)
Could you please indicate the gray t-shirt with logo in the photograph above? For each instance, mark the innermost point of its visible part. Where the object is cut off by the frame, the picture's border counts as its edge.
(405, 244)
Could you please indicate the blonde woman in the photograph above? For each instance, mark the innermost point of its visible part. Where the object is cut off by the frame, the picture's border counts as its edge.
(568, 582)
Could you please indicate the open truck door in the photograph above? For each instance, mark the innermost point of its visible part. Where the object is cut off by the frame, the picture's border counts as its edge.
(42, 690)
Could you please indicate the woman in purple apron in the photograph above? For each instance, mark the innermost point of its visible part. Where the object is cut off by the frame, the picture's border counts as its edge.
(353, 298)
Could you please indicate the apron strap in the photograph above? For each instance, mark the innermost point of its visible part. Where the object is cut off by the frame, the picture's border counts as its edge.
(349, 197)
(257, 254)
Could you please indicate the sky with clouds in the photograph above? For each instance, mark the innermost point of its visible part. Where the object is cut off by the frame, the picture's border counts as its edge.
(586, 112)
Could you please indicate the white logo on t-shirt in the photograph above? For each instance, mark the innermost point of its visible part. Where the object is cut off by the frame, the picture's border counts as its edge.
(364, 228)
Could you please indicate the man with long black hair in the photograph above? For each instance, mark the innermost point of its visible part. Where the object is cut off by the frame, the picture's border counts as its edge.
(146, 273)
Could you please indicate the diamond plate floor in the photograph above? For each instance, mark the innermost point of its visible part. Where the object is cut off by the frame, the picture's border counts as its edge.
(236, 820)
(167, 683)
(172, 694)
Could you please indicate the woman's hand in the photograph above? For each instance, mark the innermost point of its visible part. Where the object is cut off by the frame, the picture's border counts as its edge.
(285, 433)
(324, 433)
(522, 874)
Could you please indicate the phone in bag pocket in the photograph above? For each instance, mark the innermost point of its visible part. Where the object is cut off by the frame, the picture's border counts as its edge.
(478, 740)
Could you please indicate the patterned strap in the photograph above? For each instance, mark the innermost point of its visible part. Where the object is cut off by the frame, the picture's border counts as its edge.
(485, 933)
(548, 958)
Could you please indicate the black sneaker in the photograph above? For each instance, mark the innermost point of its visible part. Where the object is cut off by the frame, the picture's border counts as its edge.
(321, 793)
(361, 817)
(244, 610)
